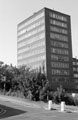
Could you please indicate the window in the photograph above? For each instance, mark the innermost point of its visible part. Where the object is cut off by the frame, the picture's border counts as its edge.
(36, 51)
(29, 47)
(54, 79)
(59, 65)
(33, 39)
(34, 61)
(59, 51)
(59, 44)
(60, 72)
(57, 23)
(74, 69)
(37, 30)
(34, 25)
(58, 37)
(59, 30)
(59, 58)
(76, 75)
(74, 63)
(57, 16)
(61, 79)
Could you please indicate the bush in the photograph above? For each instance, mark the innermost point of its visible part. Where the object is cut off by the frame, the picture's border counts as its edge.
(76, 99)
(29, 95)
(43, 97)
(9, 92)
(59, 95)
(76, 102)
(69, 100)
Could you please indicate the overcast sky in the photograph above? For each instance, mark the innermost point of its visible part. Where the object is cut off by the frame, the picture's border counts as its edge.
(14, 11)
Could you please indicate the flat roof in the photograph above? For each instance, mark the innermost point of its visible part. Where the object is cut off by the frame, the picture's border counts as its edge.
(36, 13)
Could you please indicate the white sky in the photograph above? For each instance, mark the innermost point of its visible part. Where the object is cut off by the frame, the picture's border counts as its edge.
(13, 12)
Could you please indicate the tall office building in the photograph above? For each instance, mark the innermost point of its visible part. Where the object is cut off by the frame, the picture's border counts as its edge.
(75, 72)
(44, 40)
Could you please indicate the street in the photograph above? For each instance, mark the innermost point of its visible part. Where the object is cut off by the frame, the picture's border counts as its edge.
(8, 111)
(14, 111)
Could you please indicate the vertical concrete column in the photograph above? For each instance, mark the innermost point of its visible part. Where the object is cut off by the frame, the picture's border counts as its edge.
(49, 104)
(62, 106)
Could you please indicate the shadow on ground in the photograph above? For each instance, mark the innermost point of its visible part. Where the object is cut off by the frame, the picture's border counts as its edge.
(6, 111)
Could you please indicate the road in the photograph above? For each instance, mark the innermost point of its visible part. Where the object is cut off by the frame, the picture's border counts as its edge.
(9, 111)
(13, 111)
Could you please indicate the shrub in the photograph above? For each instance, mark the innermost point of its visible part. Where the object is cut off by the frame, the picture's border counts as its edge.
(9, 92)
(69, 100)
(29, 95)
(76, 99)
(76, 102)
(43, 96)
(59, 95)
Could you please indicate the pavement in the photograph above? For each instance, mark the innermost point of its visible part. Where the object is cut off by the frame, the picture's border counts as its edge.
(36, 110)
(19, 101)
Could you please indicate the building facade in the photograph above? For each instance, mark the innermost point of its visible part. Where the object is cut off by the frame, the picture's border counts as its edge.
(44, 39)
(75, 72)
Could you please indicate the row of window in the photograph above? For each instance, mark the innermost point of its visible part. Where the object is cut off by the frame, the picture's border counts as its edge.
(25, 30)
(33, 65)
(31, 20)
(59, 17)
(57, 23)
(31, 47)
(59, 30)
(60, 72)
(59, 65)
(37, 30)
(75, 69)
(31, 53)
(34, 59)
(59, 51)
(59, 37)
(37, 66)
(61, 79)
(75, 63)
(59, 44)
(36, 38)
(59, 58)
